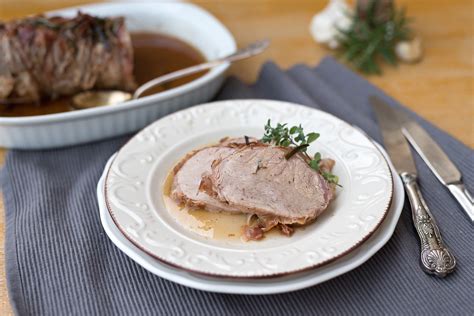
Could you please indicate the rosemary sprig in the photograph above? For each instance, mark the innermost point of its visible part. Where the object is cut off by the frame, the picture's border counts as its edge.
(282, 135)
(371, 38)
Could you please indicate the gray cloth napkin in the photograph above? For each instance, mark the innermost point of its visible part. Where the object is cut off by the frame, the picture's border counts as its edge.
(59, 260)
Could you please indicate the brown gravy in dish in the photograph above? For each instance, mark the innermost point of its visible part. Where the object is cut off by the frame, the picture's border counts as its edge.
(154, 55)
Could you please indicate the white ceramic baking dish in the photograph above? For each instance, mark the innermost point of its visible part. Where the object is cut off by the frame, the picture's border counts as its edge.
(182, 20)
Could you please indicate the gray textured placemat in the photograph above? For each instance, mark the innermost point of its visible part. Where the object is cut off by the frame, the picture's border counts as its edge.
(59, 260)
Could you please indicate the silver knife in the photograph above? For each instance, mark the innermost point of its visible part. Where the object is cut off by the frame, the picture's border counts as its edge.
(440, 165)
(435, 257)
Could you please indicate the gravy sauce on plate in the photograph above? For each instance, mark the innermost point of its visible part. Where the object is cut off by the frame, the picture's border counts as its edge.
(154, 55)
(204, 223)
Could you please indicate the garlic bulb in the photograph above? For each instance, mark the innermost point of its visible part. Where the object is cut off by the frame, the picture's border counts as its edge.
(324, 25)
(409, 51)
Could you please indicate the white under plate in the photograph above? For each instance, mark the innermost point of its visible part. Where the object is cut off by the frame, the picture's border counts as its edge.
(134, 186)
(257, 286)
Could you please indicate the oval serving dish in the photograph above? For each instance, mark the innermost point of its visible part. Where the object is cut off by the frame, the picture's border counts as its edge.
(184, 21)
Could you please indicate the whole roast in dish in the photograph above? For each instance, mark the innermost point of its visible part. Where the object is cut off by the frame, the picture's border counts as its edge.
(48, 57)
(274, 184)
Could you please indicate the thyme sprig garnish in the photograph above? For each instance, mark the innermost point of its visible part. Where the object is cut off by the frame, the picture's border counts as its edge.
(285, 136)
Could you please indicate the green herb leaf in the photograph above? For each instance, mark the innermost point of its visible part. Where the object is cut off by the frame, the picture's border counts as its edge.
(285, 143)
(330, 177)
(314, 164)
(317, 156)
(311, 137)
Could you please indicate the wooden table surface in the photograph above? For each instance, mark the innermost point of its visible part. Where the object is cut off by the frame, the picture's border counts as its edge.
(440, 87)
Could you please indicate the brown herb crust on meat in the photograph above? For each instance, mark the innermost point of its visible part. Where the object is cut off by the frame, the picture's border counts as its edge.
(46, 58)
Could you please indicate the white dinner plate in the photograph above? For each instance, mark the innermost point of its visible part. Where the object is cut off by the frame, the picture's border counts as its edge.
(258, 286)
(134, 191)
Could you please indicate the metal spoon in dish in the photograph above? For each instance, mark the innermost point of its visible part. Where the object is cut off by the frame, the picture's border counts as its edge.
(88, 99)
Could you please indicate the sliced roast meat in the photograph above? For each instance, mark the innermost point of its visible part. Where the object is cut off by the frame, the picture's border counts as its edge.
(243, 175)
(188, 175)
(260, 180)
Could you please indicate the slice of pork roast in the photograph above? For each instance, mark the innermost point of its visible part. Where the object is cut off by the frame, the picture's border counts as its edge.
(245, 176)
(188, 175)
(260, 180)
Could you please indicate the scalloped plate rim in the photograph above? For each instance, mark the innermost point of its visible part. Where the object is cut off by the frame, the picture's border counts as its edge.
(259, 274)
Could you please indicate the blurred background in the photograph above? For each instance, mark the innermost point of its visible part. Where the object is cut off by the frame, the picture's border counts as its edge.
(440, 87)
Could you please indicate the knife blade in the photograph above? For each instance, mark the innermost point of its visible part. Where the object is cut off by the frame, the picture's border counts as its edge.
(432, 154)
(440, 164)
(395, 143)
(435, 257)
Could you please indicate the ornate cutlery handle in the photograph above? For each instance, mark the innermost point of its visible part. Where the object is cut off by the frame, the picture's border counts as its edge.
(435, 256)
